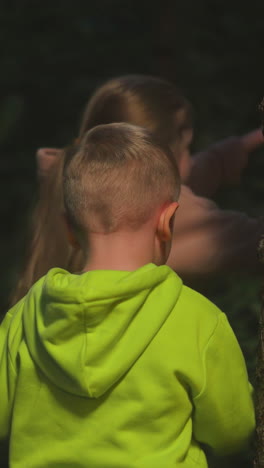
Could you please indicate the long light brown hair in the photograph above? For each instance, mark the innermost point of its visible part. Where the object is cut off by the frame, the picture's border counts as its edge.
(146, 101)
(48, 245)
(149, 102)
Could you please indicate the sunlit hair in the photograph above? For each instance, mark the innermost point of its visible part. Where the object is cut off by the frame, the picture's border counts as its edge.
(119, 176)
(143, 100)
(47, 243)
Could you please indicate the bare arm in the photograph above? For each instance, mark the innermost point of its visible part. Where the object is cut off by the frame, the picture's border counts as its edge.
(208, 240)
(222, 163)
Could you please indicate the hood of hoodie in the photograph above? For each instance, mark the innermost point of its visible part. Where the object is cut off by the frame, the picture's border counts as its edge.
(86, 331)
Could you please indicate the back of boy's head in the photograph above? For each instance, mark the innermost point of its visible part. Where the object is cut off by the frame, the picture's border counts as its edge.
(143, 100)
(117, 178)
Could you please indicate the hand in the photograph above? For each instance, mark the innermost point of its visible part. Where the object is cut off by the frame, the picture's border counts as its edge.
(46, 158)
(252, 140)
(235, 152)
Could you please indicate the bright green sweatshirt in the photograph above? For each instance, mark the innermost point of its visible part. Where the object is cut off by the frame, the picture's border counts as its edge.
(117, 369)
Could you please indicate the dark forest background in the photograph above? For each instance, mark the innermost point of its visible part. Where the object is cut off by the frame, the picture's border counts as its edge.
(54, 54)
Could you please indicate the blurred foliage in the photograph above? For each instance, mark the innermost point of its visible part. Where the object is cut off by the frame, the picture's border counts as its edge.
(53, 56)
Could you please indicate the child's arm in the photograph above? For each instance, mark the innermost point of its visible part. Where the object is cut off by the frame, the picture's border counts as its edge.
(222, 163)
(8, 374)
(209, 240)
(224, 415)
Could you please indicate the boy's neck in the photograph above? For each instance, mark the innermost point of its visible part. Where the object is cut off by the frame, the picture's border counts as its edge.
(122, 250)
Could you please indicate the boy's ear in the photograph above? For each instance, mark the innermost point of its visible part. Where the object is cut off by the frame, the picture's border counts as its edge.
(165, 222)
(70, 234)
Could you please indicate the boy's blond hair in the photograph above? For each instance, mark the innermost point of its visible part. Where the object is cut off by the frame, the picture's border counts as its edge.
(119, 175)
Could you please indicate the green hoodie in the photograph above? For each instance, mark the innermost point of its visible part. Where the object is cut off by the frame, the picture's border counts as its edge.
(120, 369)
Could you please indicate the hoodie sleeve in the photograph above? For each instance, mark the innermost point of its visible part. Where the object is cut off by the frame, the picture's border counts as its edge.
(9, 331)
(224, 416)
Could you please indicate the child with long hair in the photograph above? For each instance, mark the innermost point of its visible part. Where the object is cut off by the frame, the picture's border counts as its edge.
(207, 240)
